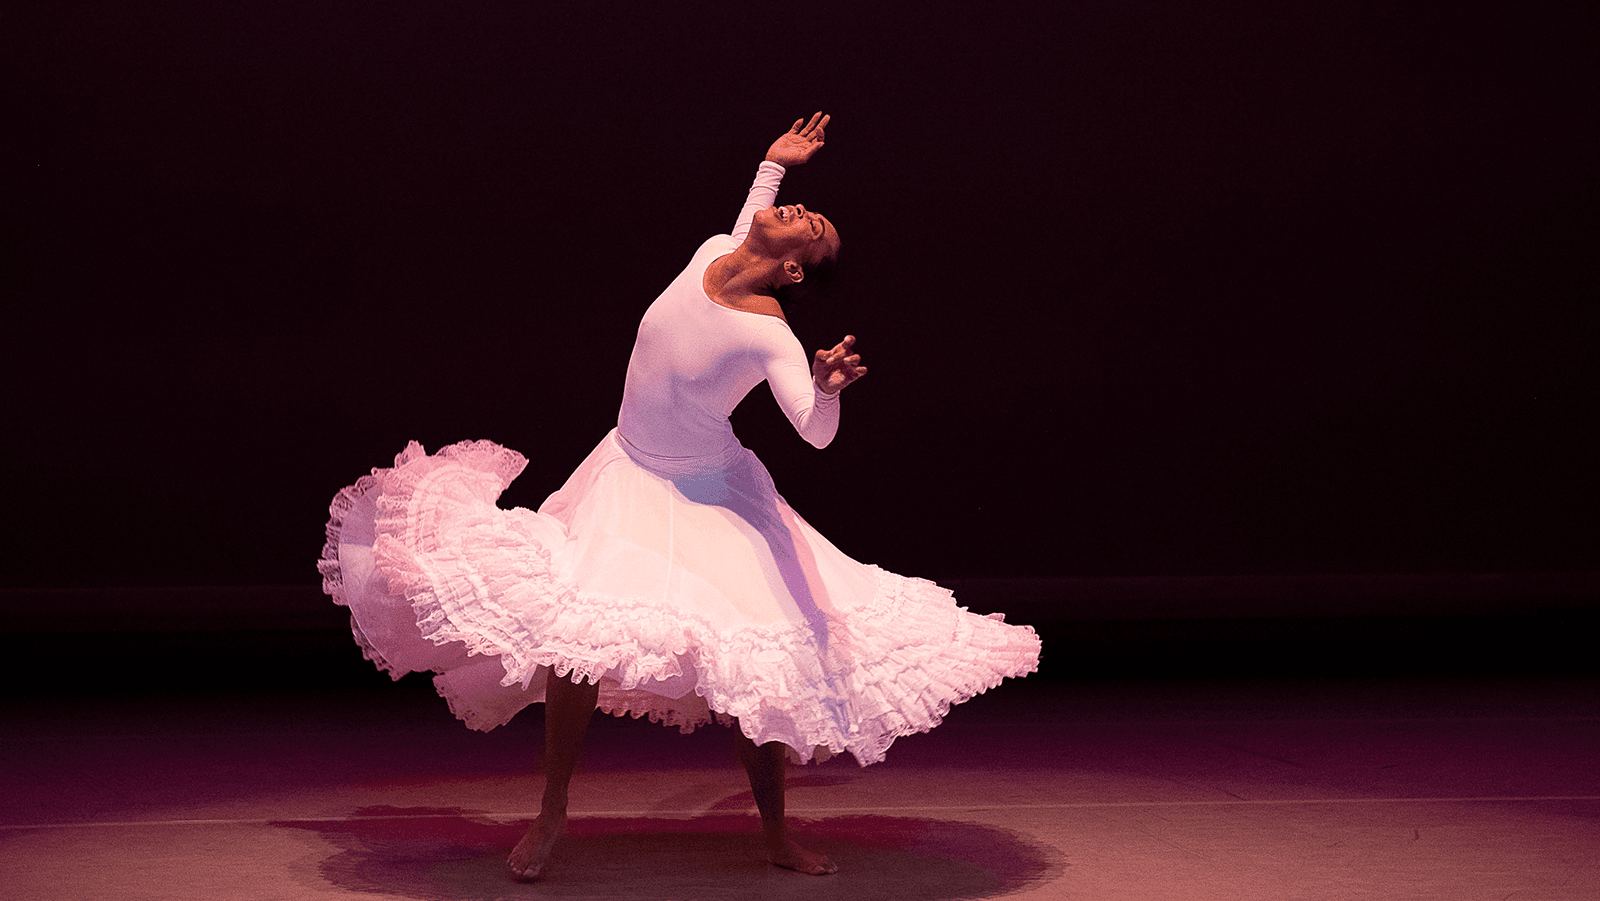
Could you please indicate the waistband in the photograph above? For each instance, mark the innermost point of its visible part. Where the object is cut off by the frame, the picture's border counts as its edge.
(676, 467)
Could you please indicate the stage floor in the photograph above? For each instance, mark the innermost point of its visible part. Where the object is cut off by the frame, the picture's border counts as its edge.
(1337, 789)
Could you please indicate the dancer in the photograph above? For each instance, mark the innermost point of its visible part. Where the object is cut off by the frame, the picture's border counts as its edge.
(667, 578)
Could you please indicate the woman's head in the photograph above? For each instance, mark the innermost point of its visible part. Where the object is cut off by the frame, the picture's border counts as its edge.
(815, 279)
(804, 244)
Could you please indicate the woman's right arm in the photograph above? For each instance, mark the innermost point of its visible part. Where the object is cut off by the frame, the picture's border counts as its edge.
(793, 148)
(762, 193)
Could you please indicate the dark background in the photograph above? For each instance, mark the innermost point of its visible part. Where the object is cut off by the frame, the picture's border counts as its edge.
(1145, 289)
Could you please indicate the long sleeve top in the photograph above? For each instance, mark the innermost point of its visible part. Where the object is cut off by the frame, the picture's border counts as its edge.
(694, 360)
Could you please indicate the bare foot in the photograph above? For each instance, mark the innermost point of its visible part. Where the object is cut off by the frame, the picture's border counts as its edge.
(791, 856)
(529, 857)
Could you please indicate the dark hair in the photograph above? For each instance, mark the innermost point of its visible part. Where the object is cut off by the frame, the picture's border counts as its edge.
(818, 277)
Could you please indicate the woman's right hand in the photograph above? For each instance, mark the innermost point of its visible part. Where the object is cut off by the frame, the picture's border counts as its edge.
(802, 141)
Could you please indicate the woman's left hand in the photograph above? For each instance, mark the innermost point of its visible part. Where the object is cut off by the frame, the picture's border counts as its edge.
(802, 141)
(836, 368)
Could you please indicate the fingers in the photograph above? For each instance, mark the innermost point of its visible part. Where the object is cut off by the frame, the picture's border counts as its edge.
(838, 350)
(813, 129)
(837, 367)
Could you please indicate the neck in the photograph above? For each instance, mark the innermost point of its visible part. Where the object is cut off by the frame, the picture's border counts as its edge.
(744, 281)
(746, 272)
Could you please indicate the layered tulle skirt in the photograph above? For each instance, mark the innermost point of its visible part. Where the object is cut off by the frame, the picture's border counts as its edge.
(690, 592)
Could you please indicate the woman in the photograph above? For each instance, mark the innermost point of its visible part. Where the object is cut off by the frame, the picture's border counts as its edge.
(667, 578)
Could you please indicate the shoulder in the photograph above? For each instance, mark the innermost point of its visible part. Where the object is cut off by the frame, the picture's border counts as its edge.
(772, 336)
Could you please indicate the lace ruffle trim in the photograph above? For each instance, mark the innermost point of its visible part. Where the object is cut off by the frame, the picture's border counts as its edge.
(890, 666)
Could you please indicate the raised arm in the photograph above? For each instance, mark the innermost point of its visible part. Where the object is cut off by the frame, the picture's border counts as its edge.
(800, 143)
(762, 193)
(793, 148)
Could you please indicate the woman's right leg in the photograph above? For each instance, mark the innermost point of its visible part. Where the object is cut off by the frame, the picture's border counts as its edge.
(568, 707)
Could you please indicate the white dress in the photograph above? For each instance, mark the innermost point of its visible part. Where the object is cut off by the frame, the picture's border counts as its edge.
(667, 568)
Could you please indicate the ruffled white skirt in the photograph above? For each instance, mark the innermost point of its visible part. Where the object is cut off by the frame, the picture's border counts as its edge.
(687, 595)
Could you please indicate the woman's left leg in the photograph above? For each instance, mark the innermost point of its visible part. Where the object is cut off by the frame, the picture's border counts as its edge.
(767, 767)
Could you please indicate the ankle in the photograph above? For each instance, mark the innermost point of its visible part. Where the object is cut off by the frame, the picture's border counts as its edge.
(775, 835)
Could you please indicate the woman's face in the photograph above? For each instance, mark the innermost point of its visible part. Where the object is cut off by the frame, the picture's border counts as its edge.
(793, 232)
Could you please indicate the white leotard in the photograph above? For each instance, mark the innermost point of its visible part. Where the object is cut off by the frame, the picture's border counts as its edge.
(694, 360)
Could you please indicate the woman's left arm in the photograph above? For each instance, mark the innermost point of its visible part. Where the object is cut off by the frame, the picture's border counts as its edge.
(837, 367)
(809, 399)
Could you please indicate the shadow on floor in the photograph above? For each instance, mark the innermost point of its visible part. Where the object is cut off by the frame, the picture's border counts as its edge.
(450, 854)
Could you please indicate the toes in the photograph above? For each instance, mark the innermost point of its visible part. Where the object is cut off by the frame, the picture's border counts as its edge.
(526, 873)
(808, 864)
